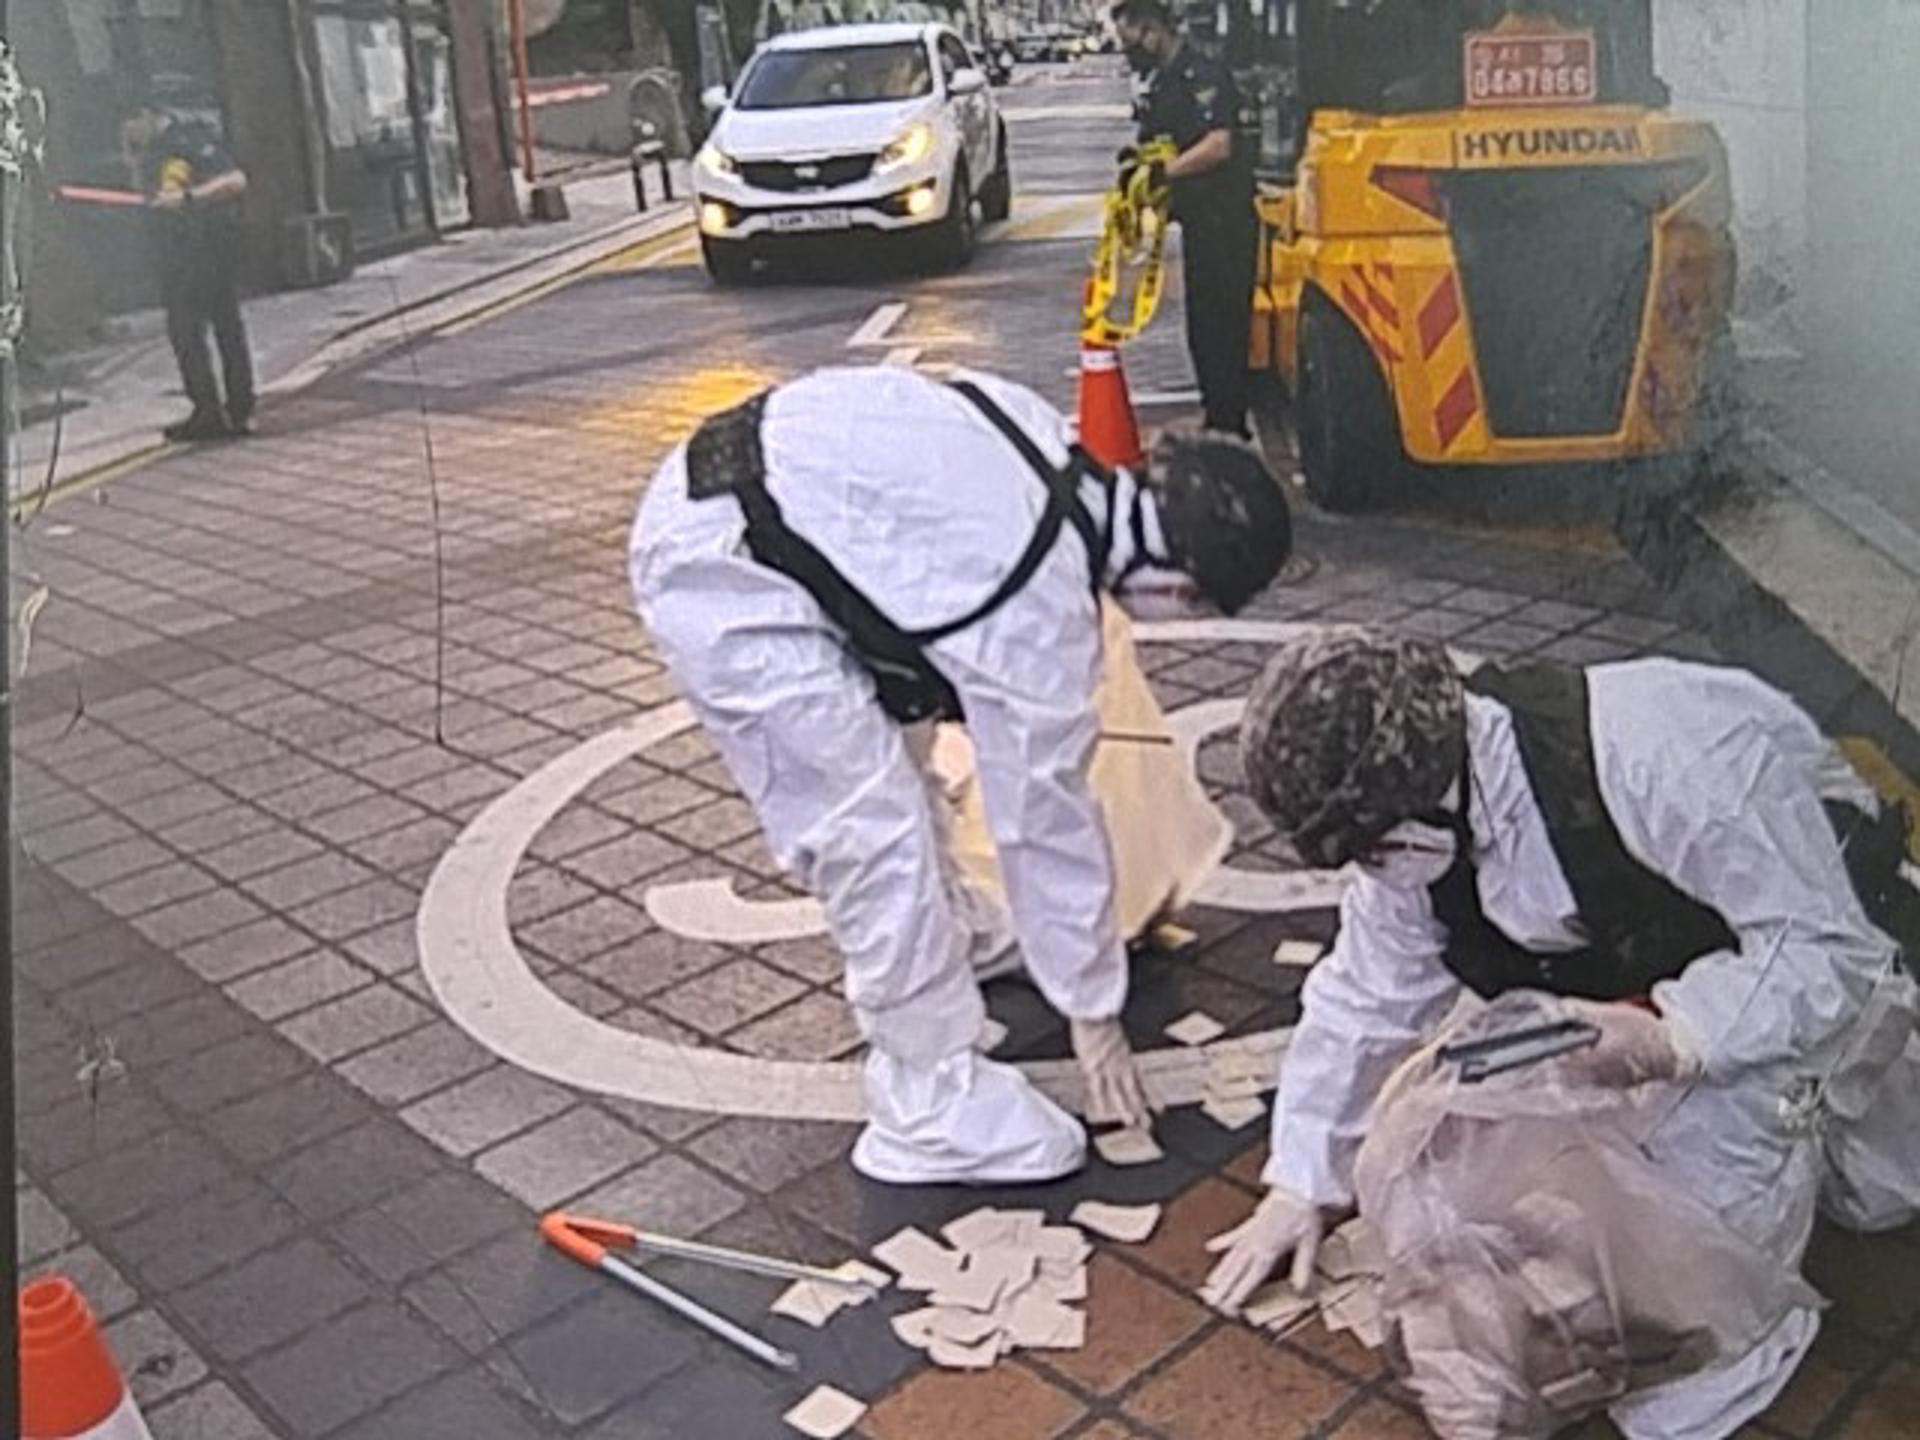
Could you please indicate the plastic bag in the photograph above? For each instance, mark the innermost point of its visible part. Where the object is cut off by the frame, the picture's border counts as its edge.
(1167, 836)
(1539, 1267)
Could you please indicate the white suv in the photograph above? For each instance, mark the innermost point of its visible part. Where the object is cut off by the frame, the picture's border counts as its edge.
(851, 128)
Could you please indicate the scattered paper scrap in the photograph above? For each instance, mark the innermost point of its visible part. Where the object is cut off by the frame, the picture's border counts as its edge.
(1346, 1297)
(1237, 1087)
(1234, 1114)
(950, 1355)
(1302, 953)
(810, 1302)
(986, 1228)
(1128, 1147)
(1353, 1249)
(1277, 1307)
(993, 1035)
(916, 1327)
(1071, 1286)
(1035, 1322)
(826, 1414)
(1195, 1028)
(1129, 1224)
(921, 1262)
(1006, 1285)
(815, 1302)
(1061, 1248)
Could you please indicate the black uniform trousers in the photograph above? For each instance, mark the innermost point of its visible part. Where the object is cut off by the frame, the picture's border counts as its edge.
(200, 288)
(1218, 254)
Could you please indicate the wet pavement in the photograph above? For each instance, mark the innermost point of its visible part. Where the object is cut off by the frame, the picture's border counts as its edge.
(270, 694)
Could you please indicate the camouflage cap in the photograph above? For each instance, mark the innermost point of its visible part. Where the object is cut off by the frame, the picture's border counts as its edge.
(1350, 732)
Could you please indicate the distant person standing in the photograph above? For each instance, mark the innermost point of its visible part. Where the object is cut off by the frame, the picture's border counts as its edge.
(1192, 101)
(194, 191)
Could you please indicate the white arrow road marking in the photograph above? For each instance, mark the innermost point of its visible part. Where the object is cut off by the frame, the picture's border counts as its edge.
(876, 327)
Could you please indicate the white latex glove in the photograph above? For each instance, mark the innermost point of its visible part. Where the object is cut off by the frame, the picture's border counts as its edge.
(1114, 1091)
(1282, 1224)
(1636, 1047)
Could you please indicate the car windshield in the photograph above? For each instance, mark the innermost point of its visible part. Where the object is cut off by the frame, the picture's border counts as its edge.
(855, 75)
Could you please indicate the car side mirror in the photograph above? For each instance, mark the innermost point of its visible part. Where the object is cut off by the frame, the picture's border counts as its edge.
(714, 99)
(968, 81)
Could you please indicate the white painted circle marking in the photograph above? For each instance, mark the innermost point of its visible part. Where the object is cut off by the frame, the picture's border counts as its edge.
(475, 969)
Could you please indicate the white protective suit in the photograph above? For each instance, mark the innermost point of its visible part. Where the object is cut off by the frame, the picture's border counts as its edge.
(922, 505)
(1714, 780)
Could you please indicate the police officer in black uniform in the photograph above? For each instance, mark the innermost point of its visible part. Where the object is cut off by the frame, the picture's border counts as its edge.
(1191, 100)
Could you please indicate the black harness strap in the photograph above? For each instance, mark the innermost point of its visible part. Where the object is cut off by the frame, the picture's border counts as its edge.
(725, 457)
(1642, 929)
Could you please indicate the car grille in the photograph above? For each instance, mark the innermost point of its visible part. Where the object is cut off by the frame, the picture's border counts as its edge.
(1555, 265)
(806, 174)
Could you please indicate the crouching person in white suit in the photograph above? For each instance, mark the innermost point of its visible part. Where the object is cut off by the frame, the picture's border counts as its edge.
(1677, 835)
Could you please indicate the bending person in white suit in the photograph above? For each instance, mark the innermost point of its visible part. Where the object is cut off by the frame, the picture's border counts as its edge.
(842, 560)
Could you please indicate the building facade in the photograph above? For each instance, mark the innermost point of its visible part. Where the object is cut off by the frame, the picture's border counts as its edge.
(384, 115)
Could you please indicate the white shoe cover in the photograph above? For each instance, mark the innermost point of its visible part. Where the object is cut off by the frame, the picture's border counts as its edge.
(966, 1120)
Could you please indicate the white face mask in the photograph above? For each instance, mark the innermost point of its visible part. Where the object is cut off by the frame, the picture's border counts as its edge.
(1412, 855)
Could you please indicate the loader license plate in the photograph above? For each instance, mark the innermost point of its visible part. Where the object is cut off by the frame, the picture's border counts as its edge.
(831, 218)
(1508, 69)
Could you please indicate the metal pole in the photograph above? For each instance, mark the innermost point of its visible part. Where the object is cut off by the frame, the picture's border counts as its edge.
(517, 22)
(9, 1247)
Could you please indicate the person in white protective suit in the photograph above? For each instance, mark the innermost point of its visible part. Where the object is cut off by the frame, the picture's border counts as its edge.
(1675, 833)
(841, 561)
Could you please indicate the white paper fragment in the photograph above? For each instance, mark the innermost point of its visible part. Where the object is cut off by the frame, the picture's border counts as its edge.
(1128, 1147)
(1035, 1322)
(826, 1414)
(1061, 1246)
(864, 1273)
(1070, 1285)
(815, 1302)
(1352, 1250)
(977, 1230)
(1195, 1028)
(1302, 953)
(915, 1327)
(811, 1302)
(963, 1327)
(1237, 1087)
(1129, 1224)
(921, 1262)
(1276, 1306)
(992, 1036)
(949, 1356)
(1234, 1114)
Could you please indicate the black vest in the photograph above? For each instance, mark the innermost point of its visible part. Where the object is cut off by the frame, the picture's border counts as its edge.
(1640, 928)
(724, 457)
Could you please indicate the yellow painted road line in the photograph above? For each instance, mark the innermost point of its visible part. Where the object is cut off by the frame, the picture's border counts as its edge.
(1076, 212)
(31, 504)
(638, 252)
(655, 250)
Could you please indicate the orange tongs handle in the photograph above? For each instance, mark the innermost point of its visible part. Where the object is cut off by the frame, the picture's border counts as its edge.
(584, 1238)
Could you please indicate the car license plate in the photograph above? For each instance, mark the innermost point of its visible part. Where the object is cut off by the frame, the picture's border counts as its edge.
(1516, 69)
(831, 218)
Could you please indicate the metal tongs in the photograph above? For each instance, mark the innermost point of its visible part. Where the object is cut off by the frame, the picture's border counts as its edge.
(1482, 1059)
(588, 1240)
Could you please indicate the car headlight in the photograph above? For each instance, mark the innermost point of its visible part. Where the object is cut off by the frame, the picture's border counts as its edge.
(716, 161)
(913, 145)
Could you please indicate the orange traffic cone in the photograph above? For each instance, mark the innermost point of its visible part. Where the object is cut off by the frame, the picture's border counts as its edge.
(1107, 427)
(70, 1387)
